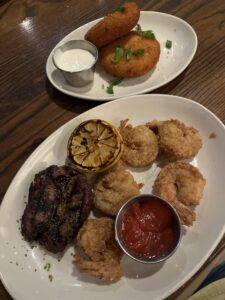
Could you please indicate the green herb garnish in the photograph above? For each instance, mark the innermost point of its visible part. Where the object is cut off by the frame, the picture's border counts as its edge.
(138, 28)
(47, 267)
(110, 89)
(77, 215)
(112, 83)
(138, 52)
(128, 54)
(147, 34)
(168, 44)
(118, 54)
(120, 8)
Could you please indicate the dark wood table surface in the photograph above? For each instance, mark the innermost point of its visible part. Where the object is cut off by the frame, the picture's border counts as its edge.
(31, 108)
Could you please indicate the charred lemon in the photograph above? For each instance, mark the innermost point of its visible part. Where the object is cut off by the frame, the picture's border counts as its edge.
(94, 146)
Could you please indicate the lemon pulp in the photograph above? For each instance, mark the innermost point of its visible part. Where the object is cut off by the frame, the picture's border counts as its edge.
(94, 146)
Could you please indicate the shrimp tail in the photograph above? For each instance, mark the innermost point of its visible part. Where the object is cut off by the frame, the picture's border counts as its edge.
(187, 216)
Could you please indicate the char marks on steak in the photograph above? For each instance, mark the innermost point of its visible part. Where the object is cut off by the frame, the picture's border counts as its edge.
(59, 202)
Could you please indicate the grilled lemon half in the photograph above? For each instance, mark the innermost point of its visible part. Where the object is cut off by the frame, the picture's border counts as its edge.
(94, 146)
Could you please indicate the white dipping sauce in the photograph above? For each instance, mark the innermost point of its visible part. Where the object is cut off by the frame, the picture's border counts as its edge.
(75, 60)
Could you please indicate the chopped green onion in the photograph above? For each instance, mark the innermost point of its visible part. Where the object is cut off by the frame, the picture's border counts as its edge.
(118, 54)
(138, 52)
(138, 28)
(168, 44)
(112, 83)
(148, 34)
(47, 267)
(110, 89)
(120, 8)
(77, 216)
(128, 53)
(116, 81)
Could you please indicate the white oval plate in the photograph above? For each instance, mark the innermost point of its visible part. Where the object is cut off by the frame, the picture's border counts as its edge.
(140, 281)
(171, 62)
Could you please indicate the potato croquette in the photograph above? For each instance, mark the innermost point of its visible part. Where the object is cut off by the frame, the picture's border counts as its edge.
(114, 25)
(137, 65)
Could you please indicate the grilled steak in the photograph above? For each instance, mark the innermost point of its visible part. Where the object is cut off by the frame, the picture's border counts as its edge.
(59, 202)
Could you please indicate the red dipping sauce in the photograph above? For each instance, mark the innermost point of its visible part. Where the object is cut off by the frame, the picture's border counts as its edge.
(148, 228)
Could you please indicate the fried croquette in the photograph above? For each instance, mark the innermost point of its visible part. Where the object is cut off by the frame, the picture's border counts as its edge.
(144, 54)
(114, 188)
(176, 140)
(181, 184)
(140, 144)
(114, 25)
(96, 239)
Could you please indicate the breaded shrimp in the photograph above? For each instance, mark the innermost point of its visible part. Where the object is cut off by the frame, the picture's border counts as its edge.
(114, 25)
(106, 270)
(181, 184)
(114, 188)
(96, 239)
(137, 65)
(186, 214)
(140, 144)
(176, 140)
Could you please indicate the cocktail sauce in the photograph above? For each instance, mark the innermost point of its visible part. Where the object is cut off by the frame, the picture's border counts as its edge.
(147, 228)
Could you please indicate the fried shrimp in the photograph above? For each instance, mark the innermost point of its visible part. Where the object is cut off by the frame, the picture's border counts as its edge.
(114, 25)
(114, 188)
(107, 270)
(176, 140)
(96, 239)
(181, 184)
(142, 56)
(140, 144)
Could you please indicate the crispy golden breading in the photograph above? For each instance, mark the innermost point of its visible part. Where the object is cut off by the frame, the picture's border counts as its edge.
(96, 239)
(114, 188)
(106, 270)
(140, 144)
(176, 140)
(181, 184)
(137, 65)
(114, 25)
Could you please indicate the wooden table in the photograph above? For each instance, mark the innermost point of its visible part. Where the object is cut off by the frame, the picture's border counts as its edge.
(31, 109)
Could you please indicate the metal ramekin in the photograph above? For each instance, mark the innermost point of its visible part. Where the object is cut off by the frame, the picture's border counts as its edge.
(138, 257)
(77, 78)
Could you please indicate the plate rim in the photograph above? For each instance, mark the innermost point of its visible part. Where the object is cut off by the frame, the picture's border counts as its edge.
(108, 97)
(52, 136)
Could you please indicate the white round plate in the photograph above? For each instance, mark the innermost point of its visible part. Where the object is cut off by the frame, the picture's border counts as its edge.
(22, 268)
(171, 62)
